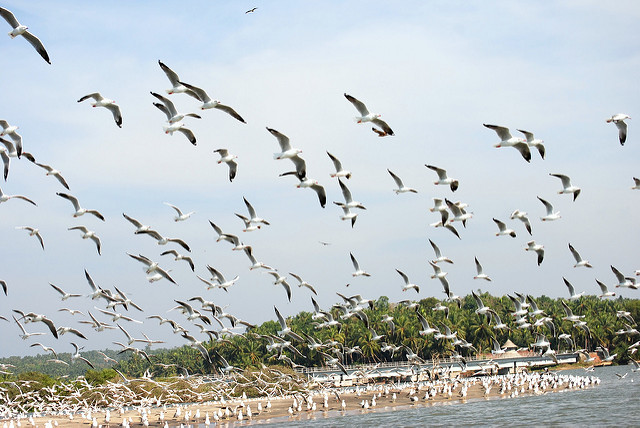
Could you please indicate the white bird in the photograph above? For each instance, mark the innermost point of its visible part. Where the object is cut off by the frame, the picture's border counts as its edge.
(537, 248)
(307, 182)
(253, 217)
(219, 277)
(636, 183)
(63, 293)
(152, 266)
(180, 216)
(619, 120)
(348, 198)
(100, 101)
(54, 172)
(439, 257)
(365, 116)
(507, 140)
(347, 213)
(177, 87)
(21, 30)
(303, 283)
(534, 142)
(6, 161)
(426, 328)
(437, 271)
(4, 198)
(281, 280)
(579, 260)
(254, 263)
(139, 226)
(287, 152)
(86, 234)
(10, 130)
(443, 178)
(481, 274)
(572, 291)
(356, 266)
(169, 109)
(76, 205)
(551, 215)
(567, 187)
(522, 216)
(408, 285)
(482, 309)
(178, 256)
(340, 171)
(459, 214)
(605, 290)
(180, 127)
(208, 103)
(623, 281)
(33, 232)
(503, 230)
(401, 187)
(228, 158)
(161, 240)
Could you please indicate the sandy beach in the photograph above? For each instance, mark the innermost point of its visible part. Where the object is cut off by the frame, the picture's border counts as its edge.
(282, 408)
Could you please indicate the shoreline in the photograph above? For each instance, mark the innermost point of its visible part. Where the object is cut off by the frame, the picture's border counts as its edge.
(311, 405)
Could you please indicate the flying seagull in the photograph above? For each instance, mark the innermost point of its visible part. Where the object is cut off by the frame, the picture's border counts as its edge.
(88, 234)
(566, 185)
(365, 116)
(21, 30)
(208, 103)
(443, 178)
(76, 205)
(100, 101)
(33, 232)
(228, 158)
(507, 140)
(619, 120)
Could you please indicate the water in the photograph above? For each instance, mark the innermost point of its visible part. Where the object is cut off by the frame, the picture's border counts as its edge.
(615, 402)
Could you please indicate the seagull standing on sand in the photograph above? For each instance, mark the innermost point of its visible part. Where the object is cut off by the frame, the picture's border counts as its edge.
(507, 140)
(365, 116)
(21, 30)
(100, 101)
(619, 120)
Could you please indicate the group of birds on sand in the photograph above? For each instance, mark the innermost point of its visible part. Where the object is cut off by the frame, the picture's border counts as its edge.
(208, 313)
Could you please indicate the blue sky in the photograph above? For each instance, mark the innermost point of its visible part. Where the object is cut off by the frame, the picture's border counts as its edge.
(436, 71)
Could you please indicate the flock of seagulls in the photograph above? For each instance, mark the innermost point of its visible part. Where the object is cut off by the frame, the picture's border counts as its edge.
(210, 314)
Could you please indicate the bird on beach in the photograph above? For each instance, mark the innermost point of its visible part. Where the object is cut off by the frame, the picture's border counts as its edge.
(100, 101)
(619, 121)
(21, 30)
(365, 116)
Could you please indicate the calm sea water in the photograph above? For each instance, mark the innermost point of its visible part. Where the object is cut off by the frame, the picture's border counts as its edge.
(615, 402)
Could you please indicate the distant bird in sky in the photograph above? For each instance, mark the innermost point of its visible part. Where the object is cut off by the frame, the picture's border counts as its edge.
(619, 120)
(407, 284)
(21, 30)
(507, 140)
(208, 103)
(33, 232)
(401, 187)
(356, 266)
(54, 172)
(567, 187)
(180, 215)
(177, 87)
(503, 229)
(310, 183)
(253, 9)
(289, 152)
(178, 256)
(443, 178)
(534, 142)
(579, 260)
(522, 216)
(169, 109)
(340, 171)
(551, 215)
(229, 159)
(88, 234)
(76, 205)
(537, 248)
(439, 257)
(480, 272)
(365, 116)
(100, 101)
(10, 131)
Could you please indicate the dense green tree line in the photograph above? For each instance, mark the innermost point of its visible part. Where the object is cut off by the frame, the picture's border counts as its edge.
(249, 350)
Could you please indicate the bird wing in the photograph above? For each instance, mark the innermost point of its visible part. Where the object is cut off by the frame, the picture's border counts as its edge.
(566, 181)
(382, 124)
(500, 224)
(9, 17)
(132, 220)
(230, 111)
(164, 109)
(200, 93)
(167, 103)
(405, 277)
(95, 95)
(37, 44)
(117, 116)
(502, 132)
(322, 195)
(301, 166)
(283, 140)
(396, 179)
(5, 161)
(576, 255)
(547, 205)
(622, 131)
(359, 105)
(527, 134)
(70, 198)
(171, 75)
(523, 148)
